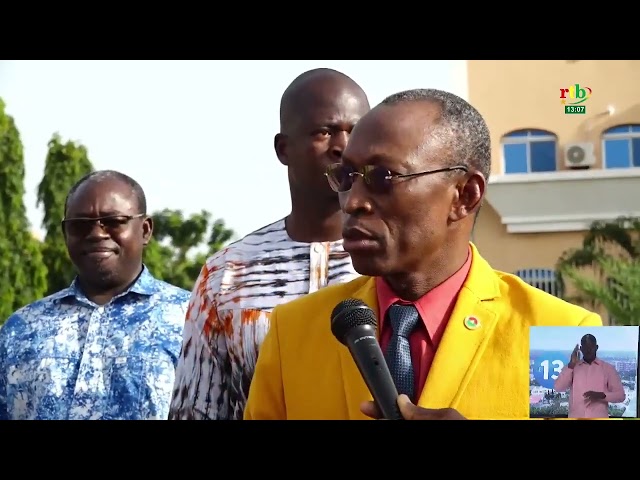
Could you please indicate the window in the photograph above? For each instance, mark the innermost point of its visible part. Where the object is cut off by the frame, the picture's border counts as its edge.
(529, 151)
(541, 278)
(621, 146)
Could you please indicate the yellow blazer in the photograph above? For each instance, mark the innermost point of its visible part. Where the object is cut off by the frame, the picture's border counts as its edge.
(303, 372)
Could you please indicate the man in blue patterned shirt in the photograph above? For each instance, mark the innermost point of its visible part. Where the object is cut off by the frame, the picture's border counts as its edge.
(106, 347)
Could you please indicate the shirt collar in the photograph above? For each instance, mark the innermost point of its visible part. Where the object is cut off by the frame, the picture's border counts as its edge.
(435, 306)
(146, 285)
(597, 361)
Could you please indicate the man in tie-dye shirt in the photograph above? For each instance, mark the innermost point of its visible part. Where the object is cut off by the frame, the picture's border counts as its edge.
(106, 347)
(239, 286)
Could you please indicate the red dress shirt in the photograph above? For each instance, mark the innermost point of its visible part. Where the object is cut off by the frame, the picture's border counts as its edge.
(435, 308)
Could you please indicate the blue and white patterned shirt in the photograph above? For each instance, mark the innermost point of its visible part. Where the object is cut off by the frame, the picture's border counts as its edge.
(65, 357)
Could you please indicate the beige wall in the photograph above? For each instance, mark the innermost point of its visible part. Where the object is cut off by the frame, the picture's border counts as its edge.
(518, 94)
(514, 95)
(510, 252)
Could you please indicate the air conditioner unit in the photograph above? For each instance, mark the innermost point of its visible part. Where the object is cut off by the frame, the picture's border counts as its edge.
(579, 156)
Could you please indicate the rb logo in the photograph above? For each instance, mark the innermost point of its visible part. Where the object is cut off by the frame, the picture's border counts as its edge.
(548, 366)
(575, 92)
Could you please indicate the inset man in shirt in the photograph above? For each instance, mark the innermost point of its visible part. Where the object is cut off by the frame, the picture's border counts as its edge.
(594, 383)
(107, 346)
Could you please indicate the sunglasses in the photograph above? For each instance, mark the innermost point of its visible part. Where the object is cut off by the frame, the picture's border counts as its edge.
(112, 224)
(378, 179)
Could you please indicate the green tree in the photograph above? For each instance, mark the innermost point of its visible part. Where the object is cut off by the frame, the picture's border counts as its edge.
(66, 163)
(605, 271)
(22, 271)
(180, 246)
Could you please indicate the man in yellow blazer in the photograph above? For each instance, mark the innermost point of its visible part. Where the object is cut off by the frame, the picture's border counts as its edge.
(455, 332)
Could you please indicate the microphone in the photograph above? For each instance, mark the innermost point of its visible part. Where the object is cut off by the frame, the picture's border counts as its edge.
(353, 324)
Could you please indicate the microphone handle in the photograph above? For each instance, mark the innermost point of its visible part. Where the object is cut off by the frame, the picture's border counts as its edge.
(366, 352)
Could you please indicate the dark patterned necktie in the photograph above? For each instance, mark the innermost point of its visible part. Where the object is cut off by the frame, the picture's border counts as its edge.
(403, 320)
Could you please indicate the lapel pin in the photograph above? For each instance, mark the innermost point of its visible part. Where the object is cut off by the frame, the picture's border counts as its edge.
(471, 323)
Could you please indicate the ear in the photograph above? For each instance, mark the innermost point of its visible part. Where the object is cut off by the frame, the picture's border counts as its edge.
(147, 230)
(280, 146)
(470, 192)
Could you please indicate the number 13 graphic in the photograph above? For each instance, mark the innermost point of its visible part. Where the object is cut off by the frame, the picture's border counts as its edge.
(557, 368)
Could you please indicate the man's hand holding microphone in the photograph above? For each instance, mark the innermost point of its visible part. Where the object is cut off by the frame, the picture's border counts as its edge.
(409, 411)
(353, 324)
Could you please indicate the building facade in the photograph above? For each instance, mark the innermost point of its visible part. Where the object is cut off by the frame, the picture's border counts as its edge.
(566, 152)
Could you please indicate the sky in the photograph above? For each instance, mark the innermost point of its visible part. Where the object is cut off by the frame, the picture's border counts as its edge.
(612, 338)
(195, 134)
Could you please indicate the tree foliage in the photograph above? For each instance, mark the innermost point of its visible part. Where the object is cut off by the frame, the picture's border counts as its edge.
(619, 294)
(30, 269)
(180, 246)
(605, 271)
(66, 163)
(22, 271)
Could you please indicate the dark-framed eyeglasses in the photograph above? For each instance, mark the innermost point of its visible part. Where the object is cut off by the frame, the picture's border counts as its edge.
(377, 178)
(82, 226)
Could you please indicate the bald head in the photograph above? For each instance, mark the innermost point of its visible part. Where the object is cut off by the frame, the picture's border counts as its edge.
(317, 114)
(588, 347)
(314, 87)
(100, 176)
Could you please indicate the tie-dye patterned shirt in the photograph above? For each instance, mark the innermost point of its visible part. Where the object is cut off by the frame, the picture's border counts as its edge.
(66, 358)
(228, 316)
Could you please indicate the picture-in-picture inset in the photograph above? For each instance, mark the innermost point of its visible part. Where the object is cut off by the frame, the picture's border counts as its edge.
(583, 372)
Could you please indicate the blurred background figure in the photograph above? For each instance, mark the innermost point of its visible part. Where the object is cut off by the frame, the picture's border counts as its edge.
(106, 347)
(239, 286)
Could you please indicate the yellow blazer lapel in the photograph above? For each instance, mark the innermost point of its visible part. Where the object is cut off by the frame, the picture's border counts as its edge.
(355, 390)
(459, 350)
(462, 344)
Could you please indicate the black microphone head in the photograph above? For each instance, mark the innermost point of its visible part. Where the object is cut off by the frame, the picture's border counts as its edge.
(349, 314)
